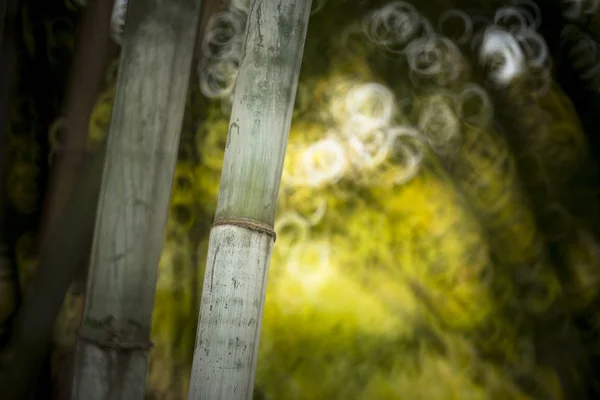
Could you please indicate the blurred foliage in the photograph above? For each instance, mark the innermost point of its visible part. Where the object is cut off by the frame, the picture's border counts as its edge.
(437, 227)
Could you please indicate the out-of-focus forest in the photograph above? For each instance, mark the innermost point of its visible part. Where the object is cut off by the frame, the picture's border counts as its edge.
(438, 221)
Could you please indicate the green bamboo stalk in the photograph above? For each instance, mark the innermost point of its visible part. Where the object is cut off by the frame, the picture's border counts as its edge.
(242, 236)
(113, 343)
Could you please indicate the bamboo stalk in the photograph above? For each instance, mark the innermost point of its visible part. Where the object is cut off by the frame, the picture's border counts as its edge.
(35, 318)
(242, 236)
(32, 327)
(113, 342)
(86, 77)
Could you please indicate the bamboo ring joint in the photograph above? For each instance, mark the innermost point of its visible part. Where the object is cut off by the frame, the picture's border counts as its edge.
(114, 344)
(248, 224)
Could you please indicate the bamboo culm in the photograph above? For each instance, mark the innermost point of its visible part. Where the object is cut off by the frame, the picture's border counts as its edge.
(156, 59)
(242, 237)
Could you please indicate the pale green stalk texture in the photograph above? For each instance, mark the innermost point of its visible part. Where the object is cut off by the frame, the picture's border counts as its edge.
(112, 359)
(262, 109)
(238, 255)
(231, 314)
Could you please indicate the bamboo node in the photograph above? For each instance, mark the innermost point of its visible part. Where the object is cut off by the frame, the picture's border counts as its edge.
(248, 224)
(114, 343)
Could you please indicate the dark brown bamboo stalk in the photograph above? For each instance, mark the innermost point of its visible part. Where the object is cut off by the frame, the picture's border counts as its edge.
(86, 79)
(66, 235)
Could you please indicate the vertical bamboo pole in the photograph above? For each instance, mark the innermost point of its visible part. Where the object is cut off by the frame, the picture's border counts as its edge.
(86, 78)
(242, 235)
(113, 342)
